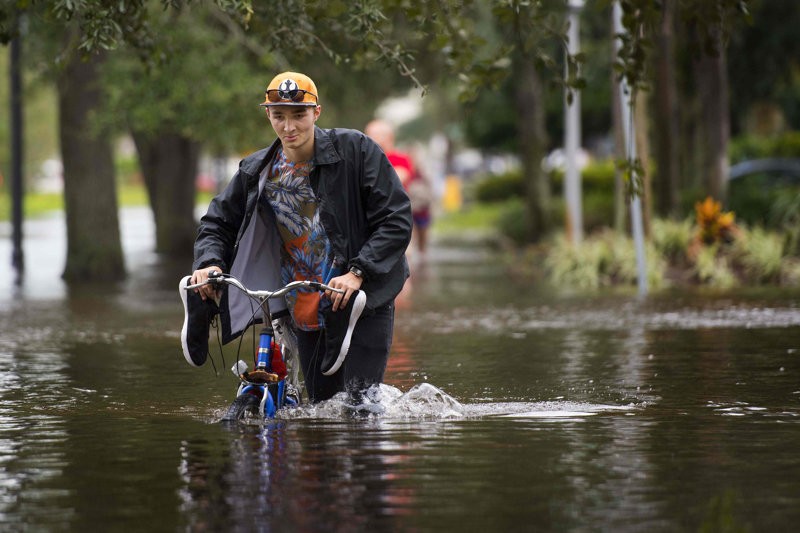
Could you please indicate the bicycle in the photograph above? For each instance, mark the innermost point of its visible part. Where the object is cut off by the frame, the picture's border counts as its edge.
(274, 383)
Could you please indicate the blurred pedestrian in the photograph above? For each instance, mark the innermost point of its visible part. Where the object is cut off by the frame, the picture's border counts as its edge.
(416, 184)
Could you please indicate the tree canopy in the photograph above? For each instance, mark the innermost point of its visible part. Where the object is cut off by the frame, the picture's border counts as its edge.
(196, 70)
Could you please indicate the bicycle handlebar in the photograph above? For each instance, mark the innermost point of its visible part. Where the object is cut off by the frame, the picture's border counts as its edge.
(217, 280)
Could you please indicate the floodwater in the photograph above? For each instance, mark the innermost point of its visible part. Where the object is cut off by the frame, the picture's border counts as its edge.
(508, 407)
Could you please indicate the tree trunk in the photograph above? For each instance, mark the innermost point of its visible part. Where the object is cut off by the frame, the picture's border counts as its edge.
(169, 164)
(666, 116)
(712, 84)
(533, 139)
(94, 250)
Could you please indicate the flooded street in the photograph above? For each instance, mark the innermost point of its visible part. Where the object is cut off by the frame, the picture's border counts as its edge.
(509, 407)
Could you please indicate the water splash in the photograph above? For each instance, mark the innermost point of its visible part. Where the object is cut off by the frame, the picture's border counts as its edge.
(425, 401)
(422, 401)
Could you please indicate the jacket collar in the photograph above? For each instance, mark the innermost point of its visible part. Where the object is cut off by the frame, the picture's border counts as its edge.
(324, 151)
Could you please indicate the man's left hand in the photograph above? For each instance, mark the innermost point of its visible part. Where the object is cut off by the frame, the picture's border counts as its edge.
(348, 282)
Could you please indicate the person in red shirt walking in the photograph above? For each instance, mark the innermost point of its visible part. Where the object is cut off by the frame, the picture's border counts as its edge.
(416, 185)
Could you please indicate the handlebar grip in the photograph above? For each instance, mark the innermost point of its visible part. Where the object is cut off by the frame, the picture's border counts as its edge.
(315, 285)
(215, 279)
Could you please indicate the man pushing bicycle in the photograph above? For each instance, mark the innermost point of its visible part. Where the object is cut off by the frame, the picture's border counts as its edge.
(322, 205)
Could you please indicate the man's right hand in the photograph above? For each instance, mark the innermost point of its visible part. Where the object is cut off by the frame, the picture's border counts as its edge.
(201, 276)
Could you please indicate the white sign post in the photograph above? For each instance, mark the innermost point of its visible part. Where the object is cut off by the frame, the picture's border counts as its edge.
(626, 98)
(572, 135)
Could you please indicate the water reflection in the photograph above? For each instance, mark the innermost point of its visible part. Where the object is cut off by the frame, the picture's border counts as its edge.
(28, 429)
(295, 477)
(508, 407)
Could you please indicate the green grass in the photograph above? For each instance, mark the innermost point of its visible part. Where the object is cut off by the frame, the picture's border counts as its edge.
(35, 205)
(39, 204)
(474, 217)
(132, 195)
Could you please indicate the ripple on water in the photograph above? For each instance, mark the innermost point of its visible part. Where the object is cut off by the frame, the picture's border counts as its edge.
(426, 401)
(558, 410)
(508, 318)
(745, 409)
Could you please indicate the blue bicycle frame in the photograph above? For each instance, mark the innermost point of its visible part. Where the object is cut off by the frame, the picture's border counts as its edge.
(273, 395)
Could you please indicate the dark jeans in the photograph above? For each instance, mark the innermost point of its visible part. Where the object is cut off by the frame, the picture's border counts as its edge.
(365, 362)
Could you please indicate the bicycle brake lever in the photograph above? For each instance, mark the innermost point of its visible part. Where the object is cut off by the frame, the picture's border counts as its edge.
(318, 286)
(215, 280)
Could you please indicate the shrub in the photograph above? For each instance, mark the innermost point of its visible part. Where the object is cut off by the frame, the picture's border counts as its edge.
(760, 254)
(604, 259)
(752, 147)
(513, 222)
(790, 272)
(620, 262)
(599, 176)
(762, 200)
(785, 216)
(714, 224)
(500, 188)
(749, 147)
(672, 238)
(598, 210)
(713, 269)
(786, 145)
(576, 267)
(597, 180)
(596, 176)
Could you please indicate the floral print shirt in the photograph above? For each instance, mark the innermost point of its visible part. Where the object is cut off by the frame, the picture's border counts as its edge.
(306, 252)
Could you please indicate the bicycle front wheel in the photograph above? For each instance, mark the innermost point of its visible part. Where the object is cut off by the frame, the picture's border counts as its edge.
(243, 406)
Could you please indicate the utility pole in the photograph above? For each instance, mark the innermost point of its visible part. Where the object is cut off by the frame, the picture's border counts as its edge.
(572, 134)
(625, 93)
(17, 154)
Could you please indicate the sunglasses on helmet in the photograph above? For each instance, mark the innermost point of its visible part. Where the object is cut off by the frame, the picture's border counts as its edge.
(282, 95)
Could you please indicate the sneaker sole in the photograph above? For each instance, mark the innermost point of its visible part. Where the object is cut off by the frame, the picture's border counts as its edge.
(185, 330)
(358, 308)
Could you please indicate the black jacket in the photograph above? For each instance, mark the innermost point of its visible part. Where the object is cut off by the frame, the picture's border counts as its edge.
(363, 208)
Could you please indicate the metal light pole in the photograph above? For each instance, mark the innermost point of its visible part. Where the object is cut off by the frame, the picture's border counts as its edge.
(572, 135)
(637, 226)
(17, 257)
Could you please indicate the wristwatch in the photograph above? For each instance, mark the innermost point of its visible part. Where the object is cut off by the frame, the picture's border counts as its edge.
(357, 272)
